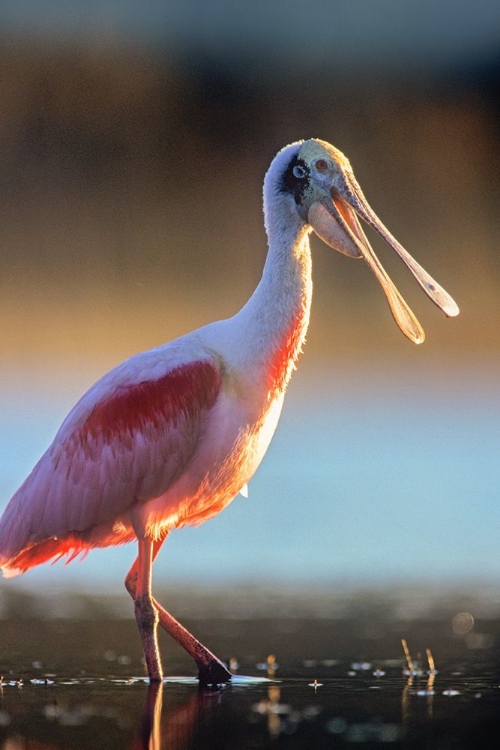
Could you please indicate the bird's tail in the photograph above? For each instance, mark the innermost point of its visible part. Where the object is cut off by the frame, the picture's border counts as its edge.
(40, 552)
(20, 550)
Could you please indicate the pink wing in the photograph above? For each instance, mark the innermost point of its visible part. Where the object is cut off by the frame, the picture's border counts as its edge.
(126, 440)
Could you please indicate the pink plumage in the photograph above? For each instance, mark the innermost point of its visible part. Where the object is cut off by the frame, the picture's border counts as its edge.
(108, 450)
(171, 436)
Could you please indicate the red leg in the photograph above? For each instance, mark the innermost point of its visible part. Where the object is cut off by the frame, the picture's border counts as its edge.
(145, 611)
(211, 669)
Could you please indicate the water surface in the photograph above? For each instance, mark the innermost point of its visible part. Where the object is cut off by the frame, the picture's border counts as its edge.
(86, 689)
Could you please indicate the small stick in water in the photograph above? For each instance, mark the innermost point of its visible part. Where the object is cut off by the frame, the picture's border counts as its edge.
(430, 659)
(409, 661)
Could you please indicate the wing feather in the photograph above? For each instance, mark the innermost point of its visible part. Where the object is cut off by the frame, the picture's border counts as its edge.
(126, 440)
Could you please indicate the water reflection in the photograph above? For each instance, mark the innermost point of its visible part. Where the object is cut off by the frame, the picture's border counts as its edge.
(149, 735)
(177, 727)
(133, 715)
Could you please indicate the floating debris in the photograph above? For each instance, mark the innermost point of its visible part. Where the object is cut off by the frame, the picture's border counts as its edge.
(379, 673)
(361, 666)
(41, 681)
(315, 685)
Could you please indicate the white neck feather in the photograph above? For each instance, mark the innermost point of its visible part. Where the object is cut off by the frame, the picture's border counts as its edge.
(274, 320)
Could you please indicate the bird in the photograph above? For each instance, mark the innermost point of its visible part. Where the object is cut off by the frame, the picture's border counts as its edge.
(171, 436)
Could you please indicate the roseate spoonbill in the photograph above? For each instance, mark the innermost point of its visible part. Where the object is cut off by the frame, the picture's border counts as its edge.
(172, 435)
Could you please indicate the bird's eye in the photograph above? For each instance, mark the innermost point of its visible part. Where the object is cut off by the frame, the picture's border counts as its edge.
(299, 172)
(321, 165)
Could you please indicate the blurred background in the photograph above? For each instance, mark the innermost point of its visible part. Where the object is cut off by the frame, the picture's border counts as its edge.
(134, 139)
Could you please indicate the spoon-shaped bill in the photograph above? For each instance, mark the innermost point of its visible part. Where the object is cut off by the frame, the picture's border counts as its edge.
(334, 218)
(338, 226)
(354, 196)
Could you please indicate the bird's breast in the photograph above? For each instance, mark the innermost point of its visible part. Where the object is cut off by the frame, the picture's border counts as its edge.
(233, 441)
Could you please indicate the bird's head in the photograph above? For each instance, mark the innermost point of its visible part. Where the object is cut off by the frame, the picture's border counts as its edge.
(319, 183)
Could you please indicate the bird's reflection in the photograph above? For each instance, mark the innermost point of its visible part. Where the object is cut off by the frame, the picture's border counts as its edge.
(175, 728)
(149, 734)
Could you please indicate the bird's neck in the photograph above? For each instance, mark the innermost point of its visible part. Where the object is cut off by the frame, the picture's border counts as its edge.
(276, 317)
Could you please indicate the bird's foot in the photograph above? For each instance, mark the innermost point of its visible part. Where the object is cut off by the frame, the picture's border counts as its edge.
(212, 674)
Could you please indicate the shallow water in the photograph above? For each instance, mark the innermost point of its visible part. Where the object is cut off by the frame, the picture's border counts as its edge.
(80, 693)
(458, 710)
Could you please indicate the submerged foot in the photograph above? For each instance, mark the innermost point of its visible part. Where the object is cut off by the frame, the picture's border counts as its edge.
(214, 673)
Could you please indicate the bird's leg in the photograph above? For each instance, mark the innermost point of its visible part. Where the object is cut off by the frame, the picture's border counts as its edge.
(210, 669)
(145, 611)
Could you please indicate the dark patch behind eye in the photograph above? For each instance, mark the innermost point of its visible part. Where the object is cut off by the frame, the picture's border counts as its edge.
(296, 186)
